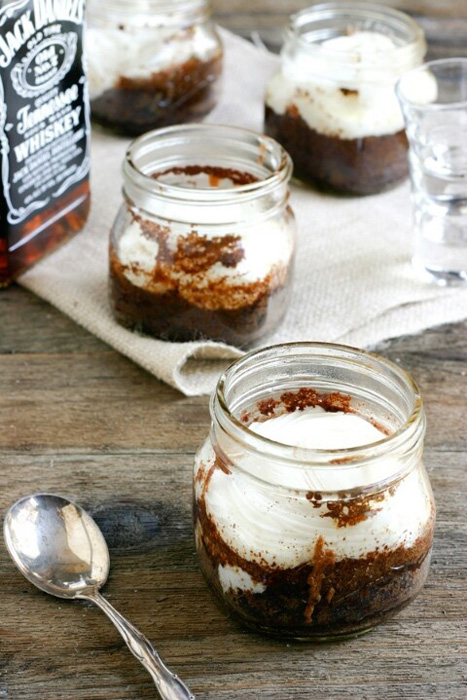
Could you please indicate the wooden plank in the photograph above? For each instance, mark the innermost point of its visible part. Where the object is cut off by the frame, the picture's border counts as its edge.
(79, 419)
(144, 511)
(445, 23)
(429, 8)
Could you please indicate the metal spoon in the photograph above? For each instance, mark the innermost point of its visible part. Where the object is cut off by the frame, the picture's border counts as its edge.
(59, 548)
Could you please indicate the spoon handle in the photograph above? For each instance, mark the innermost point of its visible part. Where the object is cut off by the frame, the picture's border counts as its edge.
(169, 686)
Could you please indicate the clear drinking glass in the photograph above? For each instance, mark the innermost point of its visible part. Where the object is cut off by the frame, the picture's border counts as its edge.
(314, 543)
(434, 101)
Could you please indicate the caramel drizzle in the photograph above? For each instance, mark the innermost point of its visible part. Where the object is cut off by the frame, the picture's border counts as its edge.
(322, 559)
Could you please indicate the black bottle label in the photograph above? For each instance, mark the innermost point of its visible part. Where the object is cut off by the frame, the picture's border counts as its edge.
(44, 107)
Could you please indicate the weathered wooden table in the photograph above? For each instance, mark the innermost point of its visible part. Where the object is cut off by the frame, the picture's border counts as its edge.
(77, 418)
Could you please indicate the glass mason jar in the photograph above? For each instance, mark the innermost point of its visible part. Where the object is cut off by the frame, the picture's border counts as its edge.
(151, 63)
(313, 512)
(203, 245)
(332, 104)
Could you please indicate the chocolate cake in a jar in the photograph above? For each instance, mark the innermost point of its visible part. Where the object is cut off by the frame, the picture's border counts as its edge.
(203, 245)
(151, 63)
(333, 105)
(313, 511)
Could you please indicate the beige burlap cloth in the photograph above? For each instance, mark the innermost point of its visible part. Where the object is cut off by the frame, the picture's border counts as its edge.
(354, 283)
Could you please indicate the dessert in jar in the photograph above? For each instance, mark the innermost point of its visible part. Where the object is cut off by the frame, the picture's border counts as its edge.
(203, 245)
(152, 63)
(44, 131)
(333, 105)
(313, 512)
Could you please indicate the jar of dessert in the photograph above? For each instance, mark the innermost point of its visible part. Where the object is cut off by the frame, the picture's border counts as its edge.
(203, 245)
(151, 63)
(313, 511)
(333, 105)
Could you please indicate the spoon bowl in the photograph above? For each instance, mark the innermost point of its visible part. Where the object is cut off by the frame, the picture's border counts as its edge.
(59, 548)
(56, 545)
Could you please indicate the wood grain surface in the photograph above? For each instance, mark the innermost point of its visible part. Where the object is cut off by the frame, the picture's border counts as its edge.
(77, 418)
(444, 21)
(81, 420)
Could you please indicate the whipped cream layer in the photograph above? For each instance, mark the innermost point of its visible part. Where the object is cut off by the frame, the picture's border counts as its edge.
(266, 247)
(138, 53)
(335, 97)
(315, 429)
(279, 528)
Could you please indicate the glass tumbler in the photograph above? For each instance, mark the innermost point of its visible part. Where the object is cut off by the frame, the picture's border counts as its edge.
(434, 102)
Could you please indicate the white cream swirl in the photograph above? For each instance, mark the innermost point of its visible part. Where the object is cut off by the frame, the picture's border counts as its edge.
(264, 523)
(265, 245)
(139, 52)
(314, 428)
(336, 98)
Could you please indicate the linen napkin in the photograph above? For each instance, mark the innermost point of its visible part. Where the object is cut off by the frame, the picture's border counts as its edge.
(353, 282)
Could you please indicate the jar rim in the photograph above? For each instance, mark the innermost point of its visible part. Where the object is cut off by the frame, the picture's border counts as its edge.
(342, 459)
(401, 57)
(196, 9)
(206, 195)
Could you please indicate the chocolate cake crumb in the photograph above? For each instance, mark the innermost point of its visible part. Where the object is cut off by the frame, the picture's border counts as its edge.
(217, 173)
(268, 406)
(237, 315)
(347, 92)
(353, 166)
(175, 95)
(322, 559)
(180, 301)
(305, 397)
(347, 512)
(315, 498)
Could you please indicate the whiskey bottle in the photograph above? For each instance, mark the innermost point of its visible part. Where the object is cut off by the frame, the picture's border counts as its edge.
(44, 130)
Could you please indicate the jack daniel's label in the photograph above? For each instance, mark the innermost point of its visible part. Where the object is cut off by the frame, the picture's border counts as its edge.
(44, 112)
